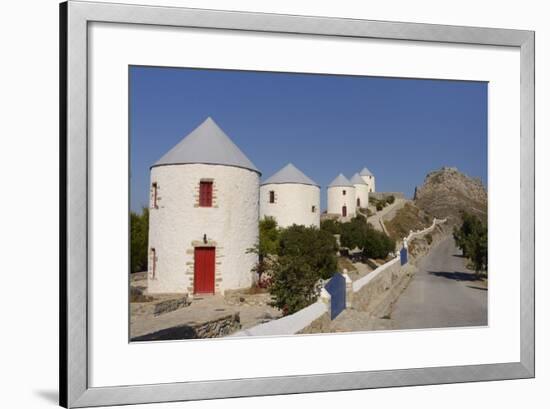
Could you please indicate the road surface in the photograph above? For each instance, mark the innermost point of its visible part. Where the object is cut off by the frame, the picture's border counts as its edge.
(443, 293)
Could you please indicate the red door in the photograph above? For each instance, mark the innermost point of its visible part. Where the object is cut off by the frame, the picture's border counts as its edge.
(344, 211)
(205, 264)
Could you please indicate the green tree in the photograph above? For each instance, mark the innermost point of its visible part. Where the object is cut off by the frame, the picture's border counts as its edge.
(331, 226)
(317, 248)
(471, 238)
(294, 284)
(354, 233)
(269, 237)
(267, 247)
(377, 244)
(357, 233)
(139, 238)
(305, 255)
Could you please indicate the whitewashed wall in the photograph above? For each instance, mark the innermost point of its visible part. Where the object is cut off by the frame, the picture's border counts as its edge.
(178, 225)
(362, 192)
(293, 204)
(336, 199)
(371, 182)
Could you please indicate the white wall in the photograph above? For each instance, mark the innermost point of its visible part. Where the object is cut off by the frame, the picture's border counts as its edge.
(362, 192)
(370, 181)
(29, 95)
(336, 199)
(293, 204)
(230, 225)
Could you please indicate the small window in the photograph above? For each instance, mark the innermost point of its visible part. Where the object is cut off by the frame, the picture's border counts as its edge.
(154, 187)
(313, 209)
(344, 211)
(205, 194)
(343, 192)
(358, 202)
(271, 196)
(153, 263)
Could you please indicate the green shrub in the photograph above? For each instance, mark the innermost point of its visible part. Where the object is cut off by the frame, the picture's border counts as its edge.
(317, 247)
(357, 233)
(390, 199)
(305, 255)
(293, 284)
(268, 242)
(471, 238)
(379, 206)
(331, 226)
(267, 247)
(377, 244)
(139, 238)
(353, 233)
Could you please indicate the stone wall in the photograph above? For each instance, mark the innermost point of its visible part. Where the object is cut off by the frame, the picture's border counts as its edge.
(369, 290)
(171, 304)
(384, 195)
(215, 328)
(220, 327)
(321, 324)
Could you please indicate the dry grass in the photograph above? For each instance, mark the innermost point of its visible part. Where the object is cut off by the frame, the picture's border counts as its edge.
(409, 217)
(345, 263)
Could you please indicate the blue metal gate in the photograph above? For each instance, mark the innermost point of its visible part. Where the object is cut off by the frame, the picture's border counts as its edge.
(403, 254)
(336, 287)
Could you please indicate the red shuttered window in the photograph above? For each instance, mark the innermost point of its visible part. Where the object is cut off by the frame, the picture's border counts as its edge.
(205, 194)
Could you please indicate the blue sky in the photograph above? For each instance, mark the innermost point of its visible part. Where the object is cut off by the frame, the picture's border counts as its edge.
(325, 124)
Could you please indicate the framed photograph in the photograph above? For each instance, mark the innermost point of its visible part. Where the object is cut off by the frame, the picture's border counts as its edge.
(260, 204)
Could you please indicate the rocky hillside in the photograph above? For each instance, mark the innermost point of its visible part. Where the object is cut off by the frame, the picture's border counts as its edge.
(446, 192)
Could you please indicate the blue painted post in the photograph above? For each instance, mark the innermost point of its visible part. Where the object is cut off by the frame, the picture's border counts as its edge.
(336, 287)
(403, 256)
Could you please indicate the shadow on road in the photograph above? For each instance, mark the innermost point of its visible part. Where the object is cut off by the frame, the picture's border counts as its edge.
(457, 276)
(477, 288)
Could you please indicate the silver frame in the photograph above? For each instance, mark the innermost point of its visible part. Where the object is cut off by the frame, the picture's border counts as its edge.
(74, 19)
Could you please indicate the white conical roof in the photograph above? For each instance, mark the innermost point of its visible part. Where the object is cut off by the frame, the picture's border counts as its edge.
(340, 180)
(365, 172)
(207, 144)
(289, 174)
(357, 180)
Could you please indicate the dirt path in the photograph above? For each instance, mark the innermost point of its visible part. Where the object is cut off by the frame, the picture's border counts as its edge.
(386, 213)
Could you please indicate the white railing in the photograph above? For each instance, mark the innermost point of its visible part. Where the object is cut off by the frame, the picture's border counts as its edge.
(413, 234)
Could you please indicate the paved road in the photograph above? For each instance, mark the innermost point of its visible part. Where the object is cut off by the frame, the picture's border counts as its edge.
(443, 293)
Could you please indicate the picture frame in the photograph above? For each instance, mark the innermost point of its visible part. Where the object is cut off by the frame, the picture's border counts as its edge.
(75, 389)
